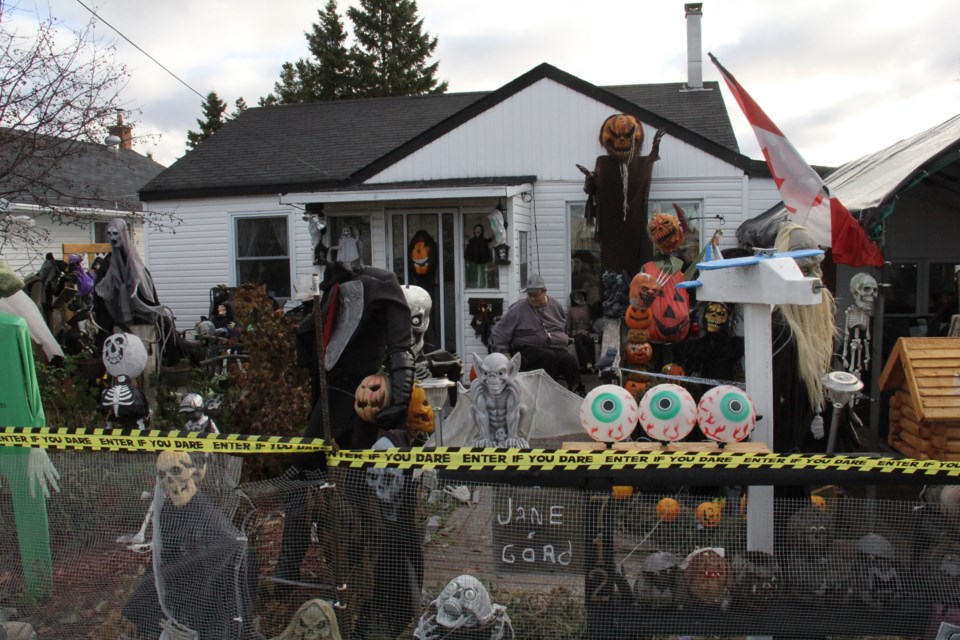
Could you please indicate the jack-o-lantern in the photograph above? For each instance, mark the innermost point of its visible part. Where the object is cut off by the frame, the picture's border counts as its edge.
(672, 370)
(372, 395)
(638, 335)
(639, 353)
(419, 412)
(622, 136)
(665, 233)
(637, 318)
(643, 291)
(709, 514)
(423, 253)
(668, 509)
(637, 386)
(671, 309)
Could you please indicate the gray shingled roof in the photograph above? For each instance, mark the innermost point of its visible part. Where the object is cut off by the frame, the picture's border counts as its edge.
(329, 145)
(89, 175)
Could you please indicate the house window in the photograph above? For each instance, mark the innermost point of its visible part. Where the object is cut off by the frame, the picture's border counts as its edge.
(99, 232)
(482, 271)
(901, 296)
(689, 251)
(263, 254)
(585, 268)
(350, 231)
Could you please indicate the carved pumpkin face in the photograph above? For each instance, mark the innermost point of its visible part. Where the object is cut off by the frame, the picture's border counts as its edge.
(665, 232)
(372, 395)
(637, 318)
(419, 412)
(709, 514)
(420, 255)
(639, 353)
(638, 335)
(622, 136)
(643, 290)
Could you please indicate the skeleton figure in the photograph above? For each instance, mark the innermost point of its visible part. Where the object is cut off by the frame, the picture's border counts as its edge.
(435, 364)
(656, 587)
(314, 620)
(125, 406)
(192, 406)
(463, 609)
(856, 337)
(496, 402)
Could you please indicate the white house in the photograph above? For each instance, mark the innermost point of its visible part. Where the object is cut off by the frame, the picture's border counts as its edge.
(388, 168)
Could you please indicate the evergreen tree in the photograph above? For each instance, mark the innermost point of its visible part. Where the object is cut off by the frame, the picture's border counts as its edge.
(238, 107)
(391, 50)
(213, 112)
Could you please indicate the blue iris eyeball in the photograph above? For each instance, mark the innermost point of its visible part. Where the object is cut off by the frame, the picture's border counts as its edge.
(726, 414)
(608, 413)
(668, 412)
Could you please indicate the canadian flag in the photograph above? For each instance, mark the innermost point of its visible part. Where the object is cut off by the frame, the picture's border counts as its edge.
(804, 194)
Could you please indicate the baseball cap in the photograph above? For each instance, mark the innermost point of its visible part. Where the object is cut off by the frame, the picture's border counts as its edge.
(535, 283)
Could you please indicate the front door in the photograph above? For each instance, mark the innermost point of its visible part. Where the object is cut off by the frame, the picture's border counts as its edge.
(421, 252)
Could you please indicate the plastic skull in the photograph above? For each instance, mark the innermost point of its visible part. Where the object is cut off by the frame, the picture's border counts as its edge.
(716, 316)
(386, 483)
(124, 355)
(420, 307)
(464, 603)
(178, 476)
(864, 288)
(496, 370)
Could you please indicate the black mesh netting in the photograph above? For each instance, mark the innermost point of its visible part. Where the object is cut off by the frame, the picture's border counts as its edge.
(147, 546)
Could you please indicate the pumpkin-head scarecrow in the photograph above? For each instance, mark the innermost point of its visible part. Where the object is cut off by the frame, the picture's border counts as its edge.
(622, 136)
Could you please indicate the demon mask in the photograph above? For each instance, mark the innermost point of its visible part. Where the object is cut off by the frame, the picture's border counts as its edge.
(716, 317)
(665, 233)
(622, 136)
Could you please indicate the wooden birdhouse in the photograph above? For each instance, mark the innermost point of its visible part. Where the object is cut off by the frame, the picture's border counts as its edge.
(924, 376)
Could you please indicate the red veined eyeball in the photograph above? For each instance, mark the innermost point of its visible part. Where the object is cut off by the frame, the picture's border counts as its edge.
(668, 412)
(608, 413)
(726, 414)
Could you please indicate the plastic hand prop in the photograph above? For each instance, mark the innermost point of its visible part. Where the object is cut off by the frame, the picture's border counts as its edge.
(41, 470)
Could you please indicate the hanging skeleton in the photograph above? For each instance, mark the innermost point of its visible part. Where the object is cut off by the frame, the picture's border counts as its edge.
(856, 337)
(496, 402)
(464, 610)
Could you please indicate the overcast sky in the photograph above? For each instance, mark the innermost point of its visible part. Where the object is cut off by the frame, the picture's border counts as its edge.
(841, 78)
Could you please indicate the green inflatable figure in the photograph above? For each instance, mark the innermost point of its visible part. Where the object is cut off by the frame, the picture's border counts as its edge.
(26, 470)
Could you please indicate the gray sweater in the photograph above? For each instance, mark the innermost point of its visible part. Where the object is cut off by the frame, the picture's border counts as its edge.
(522, 325)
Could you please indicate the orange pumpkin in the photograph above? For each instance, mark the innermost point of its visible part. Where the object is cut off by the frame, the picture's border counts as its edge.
(621, 492)
(622, 136)
(372, 394)
(672, 370)
(671, 309)
(636, 318)
(639, 353)
(668, 509)
(819, 502)
(419, 412)
(636, 386)
(643, 290)
(709, 514)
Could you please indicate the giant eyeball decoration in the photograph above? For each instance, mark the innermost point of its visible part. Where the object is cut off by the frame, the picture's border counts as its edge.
(124, 355)
(726, 414)
(668, 412)
(608, 413)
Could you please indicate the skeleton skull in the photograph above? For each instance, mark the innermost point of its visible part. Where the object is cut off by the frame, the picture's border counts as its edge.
(124, 355)
(314, 620)
(420, 307)
(115, 229)
(716, 316)
(178, 476)
(864, 288)
(386, 483)
(464, 603)
(496, 371)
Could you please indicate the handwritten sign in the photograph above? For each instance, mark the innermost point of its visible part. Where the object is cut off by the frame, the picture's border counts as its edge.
(536, 530)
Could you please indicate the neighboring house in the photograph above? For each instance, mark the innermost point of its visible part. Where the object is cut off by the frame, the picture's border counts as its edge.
(93, 182)
(388, 168)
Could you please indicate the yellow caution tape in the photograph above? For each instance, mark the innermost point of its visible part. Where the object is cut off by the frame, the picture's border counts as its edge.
(154, 440)
(460, 458)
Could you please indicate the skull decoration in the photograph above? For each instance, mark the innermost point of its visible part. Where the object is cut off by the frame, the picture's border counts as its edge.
(386, 483)
(314, 620)
(464, 603)
(115, 231)
(178, 476)
(864, 288)
(716, 317)
(622, 136)
(495, 370)
(124, 355)
(420, 307)
(665, 232)
(657, 583)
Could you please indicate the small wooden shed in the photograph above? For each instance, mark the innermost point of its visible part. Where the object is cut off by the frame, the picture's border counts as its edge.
(924, 376)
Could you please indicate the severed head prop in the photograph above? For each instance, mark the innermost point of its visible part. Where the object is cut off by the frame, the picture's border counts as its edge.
(179, 475)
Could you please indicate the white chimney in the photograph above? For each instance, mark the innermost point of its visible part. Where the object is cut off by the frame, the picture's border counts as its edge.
(694, 12)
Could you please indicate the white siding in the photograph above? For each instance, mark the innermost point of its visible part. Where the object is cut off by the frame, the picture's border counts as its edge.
(544, 130)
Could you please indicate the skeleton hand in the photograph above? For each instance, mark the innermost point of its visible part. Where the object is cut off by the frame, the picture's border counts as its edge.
(41, 470)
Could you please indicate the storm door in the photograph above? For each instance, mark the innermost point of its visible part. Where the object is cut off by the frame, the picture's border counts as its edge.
(421, 252)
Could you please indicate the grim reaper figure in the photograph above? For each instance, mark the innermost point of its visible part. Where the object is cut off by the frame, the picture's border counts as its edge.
(496, 402)
(124, 293)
